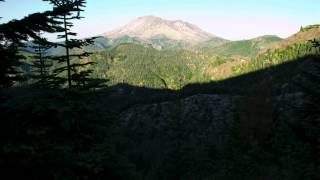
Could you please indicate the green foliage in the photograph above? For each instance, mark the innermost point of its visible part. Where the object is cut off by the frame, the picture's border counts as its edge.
(242, 48)
(148, 67)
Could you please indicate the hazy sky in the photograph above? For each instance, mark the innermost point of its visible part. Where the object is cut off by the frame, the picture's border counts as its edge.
(230, 19)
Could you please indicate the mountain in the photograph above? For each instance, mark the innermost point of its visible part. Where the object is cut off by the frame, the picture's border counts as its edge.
(148, 27)
(161, 33)
(155, 32)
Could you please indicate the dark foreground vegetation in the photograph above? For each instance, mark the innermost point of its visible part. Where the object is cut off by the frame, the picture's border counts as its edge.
(71, 134)
(263, 122)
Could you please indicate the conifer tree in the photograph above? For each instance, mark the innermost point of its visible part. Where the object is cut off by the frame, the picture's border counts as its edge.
(42, 62)
(77, 73)
(301, 29)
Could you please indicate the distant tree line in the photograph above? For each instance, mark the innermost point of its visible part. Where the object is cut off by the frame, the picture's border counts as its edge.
(304, 29)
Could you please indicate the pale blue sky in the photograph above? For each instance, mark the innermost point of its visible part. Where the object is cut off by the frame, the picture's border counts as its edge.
(230, 19)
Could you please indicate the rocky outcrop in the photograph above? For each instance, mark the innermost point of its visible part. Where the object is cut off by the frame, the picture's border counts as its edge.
(199, 118)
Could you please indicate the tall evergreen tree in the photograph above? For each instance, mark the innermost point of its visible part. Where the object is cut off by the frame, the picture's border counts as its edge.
(77, 73)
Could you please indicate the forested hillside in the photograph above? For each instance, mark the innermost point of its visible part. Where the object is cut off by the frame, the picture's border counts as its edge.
(142, 66)
(148, 67)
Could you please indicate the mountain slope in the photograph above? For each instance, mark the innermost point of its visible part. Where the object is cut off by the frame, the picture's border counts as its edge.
(244, 48)
(147, 67)
(309, 33)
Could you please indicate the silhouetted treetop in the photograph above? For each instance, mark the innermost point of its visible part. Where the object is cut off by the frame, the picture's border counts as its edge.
(68, 7)
(17, 30)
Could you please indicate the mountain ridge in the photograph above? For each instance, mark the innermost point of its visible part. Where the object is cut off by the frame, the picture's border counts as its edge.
(244, 48)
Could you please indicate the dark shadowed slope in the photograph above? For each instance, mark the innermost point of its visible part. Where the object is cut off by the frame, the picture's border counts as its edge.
(217, 130)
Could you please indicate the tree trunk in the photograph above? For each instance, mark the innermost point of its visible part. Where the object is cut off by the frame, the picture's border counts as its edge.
(67, 52)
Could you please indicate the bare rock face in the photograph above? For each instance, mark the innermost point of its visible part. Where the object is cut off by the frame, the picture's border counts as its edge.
(149, 27)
